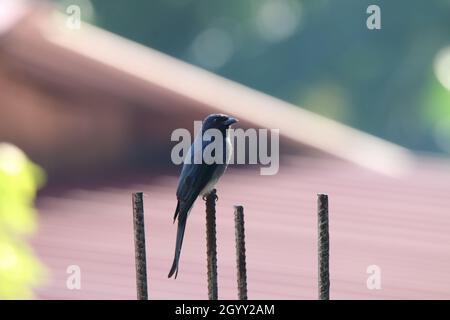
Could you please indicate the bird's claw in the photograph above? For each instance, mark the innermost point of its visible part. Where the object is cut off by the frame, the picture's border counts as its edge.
(205, 197)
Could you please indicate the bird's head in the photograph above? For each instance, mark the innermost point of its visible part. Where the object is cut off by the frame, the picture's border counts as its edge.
(218, 121)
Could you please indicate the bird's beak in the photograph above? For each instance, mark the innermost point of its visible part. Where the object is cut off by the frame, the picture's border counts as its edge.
(230, 121)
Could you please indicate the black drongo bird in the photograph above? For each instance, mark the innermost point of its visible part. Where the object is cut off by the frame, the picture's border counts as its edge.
(200, 178)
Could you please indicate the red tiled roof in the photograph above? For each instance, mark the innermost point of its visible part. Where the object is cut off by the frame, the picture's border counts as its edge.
(400, 224)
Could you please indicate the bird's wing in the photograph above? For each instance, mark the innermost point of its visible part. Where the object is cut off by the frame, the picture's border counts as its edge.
(193, 178)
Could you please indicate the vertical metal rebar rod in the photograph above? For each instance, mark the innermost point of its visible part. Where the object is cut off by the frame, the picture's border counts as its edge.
(240, 252)
(324, 247)
(139, 246)
(211, 244)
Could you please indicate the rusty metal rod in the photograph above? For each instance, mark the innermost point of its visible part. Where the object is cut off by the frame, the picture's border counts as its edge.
(139, 246)
(211, 244)
(324, 247)
(240, 252)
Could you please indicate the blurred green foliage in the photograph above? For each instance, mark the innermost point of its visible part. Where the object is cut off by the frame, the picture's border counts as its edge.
(20, 270)
(317, 54)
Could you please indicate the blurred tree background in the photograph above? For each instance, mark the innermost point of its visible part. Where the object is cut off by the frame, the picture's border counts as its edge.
(20, 270)
(318, 54)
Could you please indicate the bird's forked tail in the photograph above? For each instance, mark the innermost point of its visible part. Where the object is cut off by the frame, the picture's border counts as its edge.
(179, 242)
